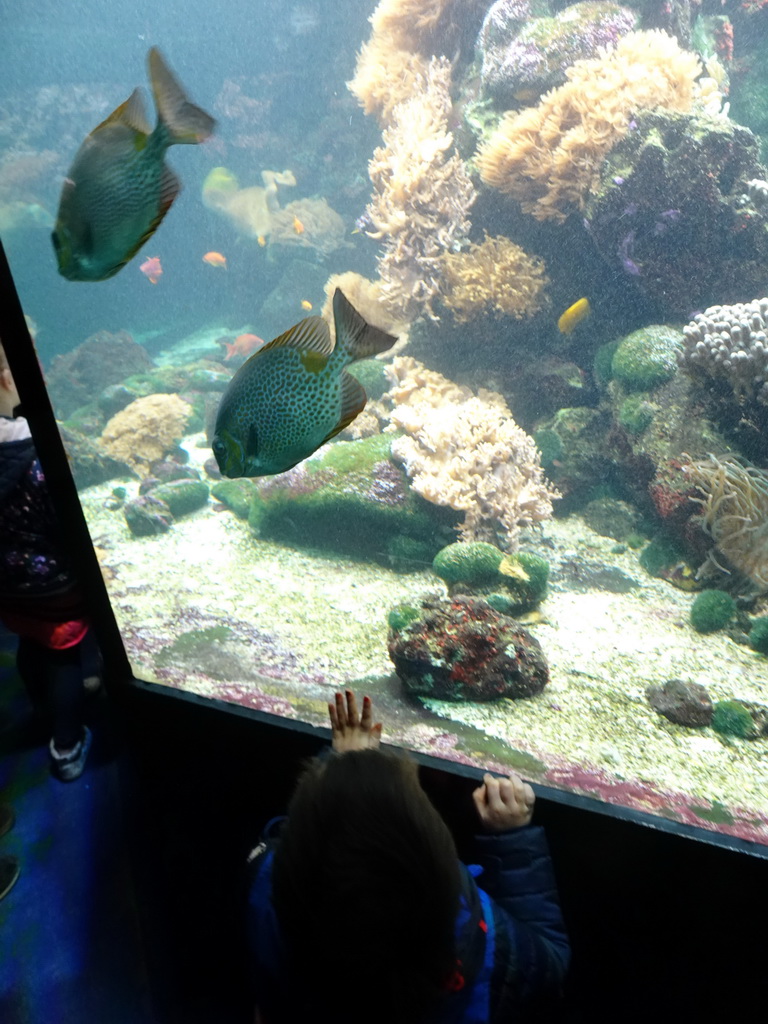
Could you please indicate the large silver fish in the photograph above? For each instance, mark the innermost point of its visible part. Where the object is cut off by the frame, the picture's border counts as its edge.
(294, 394)
(119, 187)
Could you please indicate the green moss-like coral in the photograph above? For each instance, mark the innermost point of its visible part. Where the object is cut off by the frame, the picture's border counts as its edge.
(402, 615)
(647, 358)
(732, 718)
(526, 576)
(549, 444)
(355, 501)
(758, 635)
(712, 610)
(474, 563)
(182, 496)
(635, 414)
(237, 495)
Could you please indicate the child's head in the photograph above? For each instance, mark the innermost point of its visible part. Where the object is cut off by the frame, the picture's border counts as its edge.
(9, 396)
(366, 890)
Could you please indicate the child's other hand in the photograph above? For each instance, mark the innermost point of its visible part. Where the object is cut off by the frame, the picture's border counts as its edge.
(351, 732)
(504, 803)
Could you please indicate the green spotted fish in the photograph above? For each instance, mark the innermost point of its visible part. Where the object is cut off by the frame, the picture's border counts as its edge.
(119, 187)
(294, 394)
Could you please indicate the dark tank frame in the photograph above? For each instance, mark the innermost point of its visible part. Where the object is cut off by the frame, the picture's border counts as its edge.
(123, 686)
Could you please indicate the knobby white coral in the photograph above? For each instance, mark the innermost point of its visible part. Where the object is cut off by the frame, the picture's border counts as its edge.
(467, 452)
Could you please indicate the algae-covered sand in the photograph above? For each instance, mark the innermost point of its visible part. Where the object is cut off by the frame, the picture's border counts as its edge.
(208, 607)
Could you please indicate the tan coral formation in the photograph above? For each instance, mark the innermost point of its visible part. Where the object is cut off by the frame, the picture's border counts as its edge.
(366, 296)
(405, 34)
(250, 210)
(467, 452)
(146, 430)
(422, 196)
(494, 276)
(321, 227)
(548, 157)
(734, 514)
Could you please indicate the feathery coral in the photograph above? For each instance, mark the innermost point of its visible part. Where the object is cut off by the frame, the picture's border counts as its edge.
(422, 196)
(405, 34)
(467, 452)
(145, 430)
(734, 514)
(548, 157)
(495, 275)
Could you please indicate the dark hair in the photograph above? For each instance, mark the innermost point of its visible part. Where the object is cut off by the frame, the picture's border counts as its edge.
(365, 886)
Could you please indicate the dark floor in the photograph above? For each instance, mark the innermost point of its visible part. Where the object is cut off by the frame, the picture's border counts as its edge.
(128, 909)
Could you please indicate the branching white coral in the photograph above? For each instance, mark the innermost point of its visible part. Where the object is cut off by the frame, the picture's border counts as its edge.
(467, 452)
(422, 195)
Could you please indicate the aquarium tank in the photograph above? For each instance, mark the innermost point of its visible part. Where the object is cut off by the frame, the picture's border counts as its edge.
(505, 467)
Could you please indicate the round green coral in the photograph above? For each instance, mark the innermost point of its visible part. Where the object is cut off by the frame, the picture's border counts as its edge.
(525, 576)
(474, 563)
(550, 445)
(731, 718)
(402, 615)
(758, 635)
(647, 358)
(635, 414)
(712, 610)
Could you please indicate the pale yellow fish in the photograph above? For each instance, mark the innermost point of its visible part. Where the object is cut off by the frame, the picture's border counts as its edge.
(306, 304)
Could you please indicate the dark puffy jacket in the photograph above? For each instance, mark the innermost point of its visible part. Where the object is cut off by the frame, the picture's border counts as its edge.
(34, 572)
(510, 937)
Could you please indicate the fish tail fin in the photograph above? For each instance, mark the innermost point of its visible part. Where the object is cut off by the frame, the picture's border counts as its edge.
(354, 334)
(184, 122)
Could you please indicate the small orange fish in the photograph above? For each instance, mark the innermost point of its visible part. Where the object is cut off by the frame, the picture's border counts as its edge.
(306, 304)
(243, 346)
(298, 227)
(262, 241)
(151, 269)
(215, 259)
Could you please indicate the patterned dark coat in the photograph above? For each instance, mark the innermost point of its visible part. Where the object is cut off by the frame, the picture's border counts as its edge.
(35, 575)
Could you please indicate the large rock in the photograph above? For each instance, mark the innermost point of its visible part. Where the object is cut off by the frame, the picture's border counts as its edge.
(464, 650)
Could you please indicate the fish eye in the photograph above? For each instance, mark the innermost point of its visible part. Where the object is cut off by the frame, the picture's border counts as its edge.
(218, 447)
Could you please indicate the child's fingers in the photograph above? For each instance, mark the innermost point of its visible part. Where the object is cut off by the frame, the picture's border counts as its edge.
(341, 712)
(333, 717)
(352, 718)
(479, 796)
(494, 800)
(367, 715)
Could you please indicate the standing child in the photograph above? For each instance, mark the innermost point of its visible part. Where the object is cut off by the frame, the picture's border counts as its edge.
(40, 599)
(359, 909)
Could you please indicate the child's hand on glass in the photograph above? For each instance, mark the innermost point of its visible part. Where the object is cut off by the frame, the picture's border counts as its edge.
(350, 731)
(504, 803)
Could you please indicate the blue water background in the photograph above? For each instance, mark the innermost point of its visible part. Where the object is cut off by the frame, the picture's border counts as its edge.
(293, 57)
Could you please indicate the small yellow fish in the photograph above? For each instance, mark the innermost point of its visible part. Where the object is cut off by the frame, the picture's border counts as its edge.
(294, 394)
(573, 316)
(306, 304)
(119, 186)
(298, 227)
(262, 241)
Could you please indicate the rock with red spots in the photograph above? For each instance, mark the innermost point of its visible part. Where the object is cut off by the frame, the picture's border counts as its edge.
(464, 650)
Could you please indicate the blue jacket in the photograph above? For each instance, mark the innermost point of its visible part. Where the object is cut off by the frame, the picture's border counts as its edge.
(511, 942)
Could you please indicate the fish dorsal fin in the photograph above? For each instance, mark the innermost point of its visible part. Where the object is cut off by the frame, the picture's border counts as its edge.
(130, 113)
(354, 334)
(184, 122)
(309, 335)
(353, 399)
